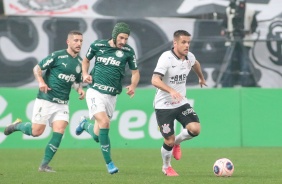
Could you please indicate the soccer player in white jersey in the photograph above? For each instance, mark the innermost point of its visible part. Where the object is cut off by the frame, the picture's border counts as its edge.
(105, 82)
(63, 70)
(170, 102)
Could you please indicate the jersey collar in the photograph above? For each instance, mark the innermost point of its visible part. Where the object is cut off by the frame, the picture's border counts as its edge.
(173, 53)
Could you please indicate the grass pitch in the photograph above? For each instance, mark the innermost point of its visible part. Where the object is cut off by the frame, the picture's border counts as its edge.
(141, 166)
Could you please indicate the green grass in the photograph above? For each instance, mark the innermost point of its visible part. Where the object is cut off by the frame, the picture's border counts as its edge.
(139, 166)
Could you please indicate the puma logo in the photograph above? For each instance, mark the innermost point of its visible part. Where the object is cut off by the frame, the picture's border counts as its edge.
(64, 64)
(102, 51)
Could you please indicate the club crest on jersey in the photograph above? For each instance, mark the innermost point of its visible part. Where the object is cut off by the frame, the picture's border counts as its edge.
(78, 69)
(119, 53)
(189, 64)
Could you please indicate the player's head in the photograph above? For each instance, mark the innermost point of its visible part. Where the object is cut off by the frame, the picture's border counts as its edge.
(120, 34)
(74, 41)
(181, 42)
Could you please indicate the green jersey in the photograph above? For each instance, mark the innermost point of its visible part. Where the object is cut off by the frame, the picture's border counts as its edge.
(62, 70)
(109, 68)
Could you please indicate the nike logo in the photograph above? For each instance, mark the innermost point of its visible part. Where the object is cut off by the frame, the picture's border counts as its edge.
(102, 51)
(64, 64)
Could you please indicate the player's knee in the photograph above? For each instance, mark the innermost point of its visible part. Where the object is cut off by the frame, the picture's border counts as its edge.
(170, 141)
(194, 128)
(36, 133)
(104, 124)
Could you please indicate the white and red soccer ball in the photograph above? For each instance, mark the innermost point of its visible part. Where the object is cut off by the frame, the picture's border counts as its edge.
(223, 167)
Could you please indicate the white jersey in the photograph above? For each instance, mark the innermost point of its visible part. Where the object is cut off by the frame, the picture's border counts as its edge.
(174, 72)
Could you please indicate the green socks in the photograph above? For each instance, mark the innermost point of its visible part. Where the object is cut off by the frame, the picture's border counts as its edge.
(88, 127)
(24, 128)
(51, 148)
(105, 145)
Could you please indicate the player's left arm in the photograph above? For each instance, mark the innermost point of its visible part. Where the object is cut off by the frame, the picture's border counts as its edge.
(197, 69)
(135, 77)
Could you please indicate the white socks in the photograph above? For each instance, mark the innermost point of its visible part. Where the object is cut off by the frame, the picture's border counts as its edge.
(166, 156)
(182, 136)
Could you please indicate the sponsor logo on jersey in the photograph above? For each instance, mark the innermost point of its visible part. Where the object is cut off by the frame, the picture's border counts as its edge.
(126, 48)
(168, 103)
(67, 78)
(48, 62)
(104, 87)
(64, 56)
(119, 53)
(108, 61)
(64, 64)
(178, 79)
(100, 45)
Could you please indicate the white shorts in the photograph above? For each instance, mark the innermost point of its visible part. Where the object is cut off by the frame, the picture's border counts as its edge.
(99, 102)
(45, 111)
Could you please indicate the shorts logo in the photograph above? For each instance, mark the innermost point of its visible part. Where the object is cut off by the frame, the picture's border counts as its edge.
(38, 117)
(166, 128)
(188, 111)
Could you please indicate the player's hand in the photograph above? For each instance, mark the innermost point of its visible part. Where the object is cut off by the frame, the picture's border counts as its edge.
(130, 91)
(87, 79)
(43, 87)
(176, 96)
(81, 93)
(202, 83)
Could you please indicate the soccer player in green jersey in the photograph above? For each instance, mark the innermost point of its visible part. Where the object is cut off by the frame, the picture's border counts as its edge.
(111, 57)
(63, 70)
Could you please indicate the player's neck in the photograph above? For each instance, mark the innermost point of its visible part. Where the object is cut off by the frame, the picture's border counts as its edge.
(111, 43)
(73, 54)
(180, 56)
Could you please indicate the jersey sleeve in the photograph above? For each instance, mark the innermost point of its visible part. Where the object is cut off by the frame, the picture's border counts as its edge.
(91, 52)
(191, 58)
(79, 79)
(162, 65)
(132, 61)
(48, 62)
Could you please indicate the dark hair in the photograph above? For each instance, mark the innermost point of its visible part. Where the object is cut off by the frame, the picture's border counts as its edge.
(179, 33)
(74, 32)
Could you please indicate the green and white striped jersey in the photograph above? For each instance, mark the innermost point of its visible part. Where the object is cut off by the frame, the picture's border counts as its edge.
(62, 70)
(109, 68)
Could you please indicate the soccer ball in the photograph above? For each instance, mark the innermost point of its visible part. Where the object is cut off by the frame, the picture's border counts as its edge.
(223, 167)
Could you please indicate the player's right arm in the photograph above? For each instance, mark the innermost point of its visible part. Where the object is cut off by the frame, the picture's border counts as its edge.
(158, 83)
(44, 64)
(85, 67)
(38, 76)
(86, 63)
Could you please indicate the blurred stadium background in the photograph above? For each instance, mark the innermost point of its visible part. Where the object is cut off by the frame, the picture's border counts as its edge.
(239, 123)
(30, 30)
